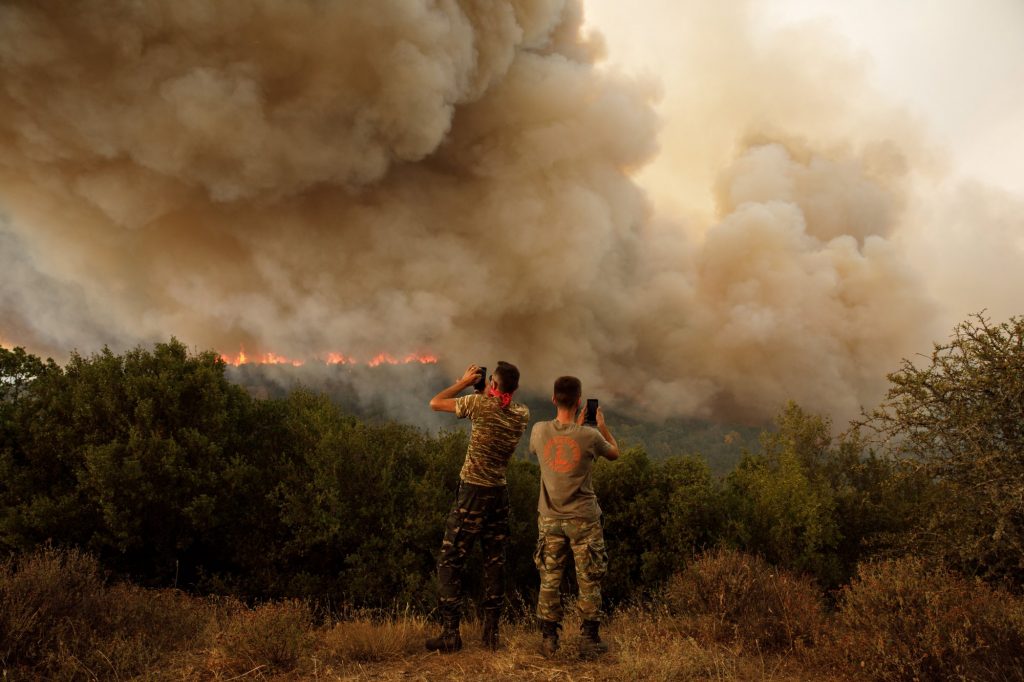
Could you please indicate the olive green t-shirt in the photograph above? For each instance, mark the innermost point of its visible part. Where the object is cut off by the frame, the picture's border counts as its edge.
(495, 434)
(566, 453)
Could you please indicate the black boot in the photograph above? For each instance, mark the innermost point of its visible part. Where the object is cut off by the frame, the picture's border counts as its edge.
(490, 634)
(449, 640)
(592, 643)
(549, 645)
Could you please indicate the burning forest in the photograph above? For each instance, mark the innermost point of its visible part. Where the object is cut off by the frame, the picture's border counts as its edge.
(459, 177)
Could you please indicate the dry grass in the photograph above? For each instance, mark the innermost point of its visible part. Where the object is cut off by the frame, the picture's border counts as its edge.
(371, 639)
(59, 621)
(273, 638)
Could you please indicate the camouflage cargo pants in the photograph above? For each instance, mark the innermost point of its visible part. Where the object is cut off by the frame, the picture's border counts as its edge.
(586, 540)
(479, 512)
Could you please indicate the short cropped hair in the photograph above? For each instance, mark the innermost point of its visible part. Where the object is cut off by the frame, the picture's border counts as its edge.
(567, 391)
(507, 375)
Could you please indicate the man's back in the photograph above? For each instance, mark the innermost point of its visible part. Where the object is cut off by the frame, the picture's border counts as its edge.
(496, 432)
(566, 453)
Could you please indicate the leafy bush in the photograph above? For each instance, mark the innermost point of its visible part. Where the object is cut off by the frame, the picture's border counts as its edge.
(958, 419)
(901, 620)
(729, 596)
(655, 516)
(780, 503)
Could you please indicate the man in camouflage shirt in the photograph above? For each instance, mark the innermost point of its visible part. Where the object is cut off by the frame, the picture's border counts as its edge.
(569, 516)
(481, 506)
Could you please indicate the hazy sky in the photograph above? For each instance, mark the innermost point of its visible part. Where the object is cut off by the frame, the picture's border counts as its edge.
(957, 65)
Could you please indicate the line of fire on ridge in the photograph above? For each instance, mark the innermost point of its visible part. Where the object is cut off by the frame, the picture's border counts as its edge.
(243, 358)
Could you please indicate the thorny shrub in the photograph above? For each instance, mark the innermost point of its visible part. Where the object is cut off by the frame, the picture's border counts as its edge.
(726, 596)
(901, 619)
(59, 620)
(273, 637)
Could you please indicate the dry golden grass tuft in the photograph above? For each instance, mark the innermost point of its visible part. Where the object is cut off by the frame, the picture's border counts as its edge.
(273, 638)
(373, 638)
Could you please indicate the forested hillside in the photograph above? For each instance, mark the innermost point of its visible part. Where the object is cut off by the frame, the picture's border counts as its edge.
(170, 475)
(401, 392)
(173, 475)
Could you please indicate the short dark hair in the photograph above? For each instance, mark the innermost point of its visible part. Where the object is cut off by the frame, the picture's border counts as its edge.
(507, 375)
(567, 391)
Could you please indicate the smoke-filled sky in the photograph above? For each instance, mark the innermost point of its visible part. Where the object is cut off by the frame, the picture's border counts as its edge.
(745, 211)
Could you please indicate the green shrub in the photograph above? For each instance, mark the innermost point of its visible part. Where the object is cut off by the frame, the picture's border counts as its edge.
(729, 596)
(901, 620)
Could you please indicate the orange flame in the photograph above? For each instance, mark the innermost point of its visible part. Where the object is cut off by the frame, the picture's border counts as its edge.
(332, 358)
(236, 360)
(422, 358)
(266, 359)
(381, 359)
(275, 359)
(340, 359)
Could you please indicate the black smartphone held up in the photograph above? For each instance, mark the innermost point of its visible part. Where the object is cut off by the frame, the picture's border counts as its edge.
(481, 383)
(590, 418)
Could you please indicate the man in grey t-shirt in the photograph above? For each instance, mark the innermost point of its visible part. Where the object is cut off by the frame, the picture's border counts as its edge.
(569, 515)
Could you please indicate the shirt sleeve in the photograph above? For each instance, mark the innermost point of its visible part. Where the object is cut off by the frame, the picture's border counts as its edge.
(465, 405)
(537, 435)
(602, 448)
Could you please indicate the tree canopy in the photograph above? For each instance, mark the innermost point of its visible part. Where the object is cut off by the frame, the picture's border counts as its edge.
(959, 418)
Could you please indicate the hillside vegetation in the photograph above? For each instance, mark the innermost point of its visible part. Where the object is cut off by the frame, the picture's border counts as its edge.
(160, 520)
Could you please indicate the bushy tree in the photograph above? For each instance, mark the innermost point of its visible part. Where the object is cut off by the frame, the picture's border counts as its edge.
(781, 505)
(958, 418)
(655, 516)
(363, 505)
(122, 455)
(818, 504)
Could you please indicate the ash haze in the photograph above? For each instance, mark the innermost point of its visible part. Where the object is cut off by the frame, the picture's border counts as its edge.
(467, 178)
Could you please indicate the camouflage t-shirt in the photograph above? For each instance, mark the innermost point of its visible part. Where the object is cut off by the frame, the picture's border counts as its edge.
(496, 432)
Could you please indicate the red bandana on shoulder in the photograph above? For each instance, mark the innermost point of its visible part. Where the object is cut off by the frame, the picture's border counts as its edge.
(505, 398)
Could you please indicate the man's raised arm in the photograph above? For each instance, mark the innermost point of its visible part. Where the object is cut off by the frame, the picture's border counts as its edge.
(445, 400)
(613, 451)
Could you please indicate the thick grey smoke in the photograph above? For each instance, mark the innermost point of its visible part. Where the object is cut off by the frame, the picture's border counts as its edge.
(441, 176)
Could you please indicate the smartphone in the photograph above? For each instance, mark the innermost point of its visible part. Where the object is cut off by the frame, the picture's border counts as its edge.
(590, 418)
(481, 383)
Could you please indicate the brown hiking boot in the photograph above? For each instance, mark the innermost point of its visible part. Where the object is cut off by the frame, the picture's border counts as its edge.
(449, 640)
(591, 643)
(549, 644)
(490, 633)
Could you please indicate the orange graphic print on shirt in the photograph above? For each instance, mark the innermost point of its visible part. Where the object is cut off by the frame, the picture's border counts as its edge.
(562, 454)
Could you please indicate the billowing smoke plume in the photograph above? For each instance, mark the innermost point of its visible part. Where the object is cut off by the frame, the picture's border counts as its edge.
(451, 176)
